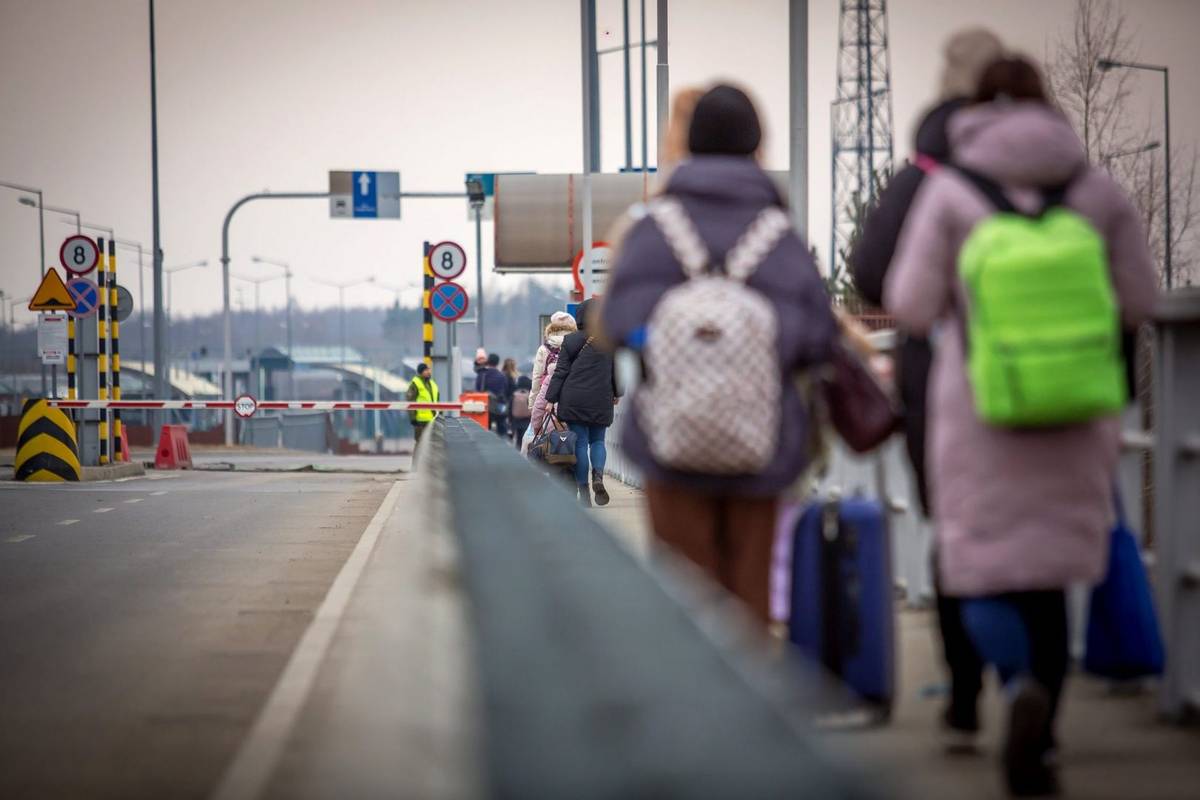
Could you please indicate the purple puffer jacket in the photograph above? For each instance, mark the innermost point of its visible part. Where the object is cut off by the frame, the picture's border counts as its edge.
(722, 195)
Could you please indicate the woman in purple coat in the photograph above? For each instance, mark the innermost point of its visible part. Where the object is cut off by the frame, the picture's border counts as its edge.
(724, 524)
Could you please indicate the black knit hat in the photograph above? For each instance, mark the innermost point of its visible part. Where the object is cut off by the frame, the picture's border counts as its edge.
(724, 123)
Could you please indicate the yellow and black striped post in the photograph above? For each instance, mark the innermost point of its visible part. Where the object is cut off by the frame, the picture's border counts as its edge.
(71, 364)
(102, 334)
(46, 446)
(118, 431)
(427, 328)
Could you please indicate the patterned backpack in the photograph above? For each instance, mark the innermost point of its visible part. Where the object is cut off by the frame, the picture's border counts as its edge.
(699, 415)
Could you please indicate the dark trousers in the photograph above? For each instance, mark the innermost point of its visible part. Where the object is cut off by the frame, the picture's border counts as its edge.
(519, 426)
(418, 432)
(500, 425)
(964, 663)
(730, 538)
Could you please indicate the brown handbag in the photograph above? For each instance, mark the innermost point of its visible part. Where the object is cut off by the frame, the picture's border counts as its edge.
(861, 411)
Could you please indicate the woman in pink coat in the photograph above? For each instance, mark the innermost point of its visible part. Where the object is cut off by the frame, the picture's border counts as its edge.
(1021, 513)
(561, 324)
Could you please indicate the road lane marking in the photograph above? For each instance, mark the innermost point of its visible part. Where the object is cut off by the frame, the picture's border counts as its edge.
(18, 538)
(134, 500)
(101, 510)
(68, 522)
(157, 494)
(260, 751)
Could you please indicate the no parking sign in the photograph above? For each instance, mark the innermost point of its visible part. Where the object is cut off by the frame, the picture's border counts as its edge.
(448, 301)
(86, 295)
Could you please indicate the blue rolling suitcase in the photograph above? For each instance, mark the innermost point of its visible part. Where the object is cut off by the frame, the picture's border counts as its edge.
(841, 596)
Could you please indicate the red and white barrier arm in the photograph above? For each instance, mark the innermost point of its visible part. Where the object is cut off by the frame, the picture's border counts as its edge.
(246, 406)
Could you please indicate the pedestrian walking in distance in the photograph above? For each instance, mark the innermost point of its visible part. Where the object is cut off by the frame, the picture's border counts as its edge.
(584, 391)
(545, 362)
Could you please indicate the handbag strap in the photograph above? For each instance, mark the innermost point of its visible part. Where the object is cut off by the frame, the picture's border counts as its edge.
(552, 420)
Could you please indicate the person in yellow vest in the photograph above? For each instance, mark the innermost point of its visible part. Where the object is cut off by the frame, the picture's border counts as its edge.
(422, 390)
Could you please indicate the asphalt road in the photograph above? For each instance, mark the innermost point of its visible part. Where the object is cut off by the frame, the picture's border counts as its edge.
(144, 622)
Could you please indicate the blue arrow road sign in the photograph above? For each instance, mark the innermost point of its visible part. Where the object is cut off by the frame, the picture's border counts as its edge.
(86, 295)
(365, 186)
(448, 301)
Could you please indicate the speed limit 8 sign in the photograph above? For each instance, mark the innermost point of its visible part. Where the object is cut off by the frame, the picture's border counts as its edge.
(79, 254)
(447, 260)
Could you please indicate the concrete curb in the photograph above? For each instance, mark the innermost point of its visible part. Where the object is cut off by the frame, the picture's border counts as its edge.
(111, 472)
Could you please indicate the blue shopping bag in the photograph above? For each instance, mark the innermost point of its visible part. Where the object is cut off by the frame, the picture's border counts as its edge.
(1123, 638)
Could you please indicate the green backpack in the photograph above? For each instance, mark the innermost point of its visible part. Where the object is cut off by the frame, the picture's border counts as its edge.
(1044, 330)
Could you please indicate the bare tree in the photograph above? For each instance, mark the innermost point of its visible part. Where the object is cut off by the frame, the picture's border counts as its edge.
(1094, 99)
(1097, 101)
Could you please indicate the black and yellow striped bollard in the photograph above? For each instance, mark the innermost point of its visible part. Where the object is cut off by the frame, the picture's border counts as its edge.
(47, 450)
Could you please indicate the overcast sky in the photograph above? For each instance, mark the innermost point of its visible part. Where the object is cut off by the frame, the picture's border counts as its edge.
(272, 94)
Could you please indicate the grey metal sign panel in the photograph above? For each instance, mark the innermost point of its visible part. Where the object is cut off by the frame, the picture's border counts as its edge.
(124, 303)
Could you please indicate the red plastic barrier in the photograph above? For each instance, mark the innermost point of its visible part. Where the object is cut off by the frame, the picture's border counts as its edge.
(481, 397)
(173, 452)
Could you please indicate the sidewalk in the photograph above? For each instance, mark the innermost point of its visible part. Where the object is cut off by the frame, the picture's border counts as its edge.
(1113, 746)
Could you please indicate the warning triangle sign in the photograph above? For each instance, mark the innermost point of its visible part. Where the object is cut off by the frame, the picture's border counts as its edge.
(52, 294)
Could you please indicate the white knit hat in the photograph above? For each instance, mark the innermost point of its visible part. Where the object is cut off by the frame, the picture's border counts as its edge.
(967, 54)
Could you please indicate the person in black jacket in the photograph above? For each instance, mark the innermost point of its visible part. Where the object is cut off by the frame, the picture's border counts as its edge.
(967, 54)
(584, 390)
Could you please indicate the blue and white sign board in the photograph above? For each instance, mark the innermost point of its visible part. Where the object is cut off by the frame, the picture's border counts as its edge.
(86, 295)
(363, 194)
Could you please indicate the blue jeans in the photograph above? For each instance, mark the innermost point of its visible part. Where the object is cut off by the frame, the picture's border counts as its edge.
(588, 439)
(1022, 634)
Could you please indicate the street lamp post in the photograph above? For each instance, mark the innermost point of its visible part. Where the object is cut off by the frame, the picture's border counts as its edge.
(12, 332)
(1107, 158)
(342, 287)
(399, 290)
(258, 282)
(128, 245)
(169, 308)
(1106, 64)
(29, 201)
(41, 221)
(287, 289)
(41, 251)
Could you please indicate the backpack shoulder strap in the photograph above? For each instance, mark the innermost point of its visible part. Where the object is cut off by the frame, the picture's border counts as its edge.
(756, 242)
(989, 189)
(1052, 196)
(681, 235)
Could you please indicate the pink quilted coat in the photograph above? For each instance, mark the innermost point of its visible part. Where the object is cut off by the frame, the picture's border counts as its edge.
(1015, 509)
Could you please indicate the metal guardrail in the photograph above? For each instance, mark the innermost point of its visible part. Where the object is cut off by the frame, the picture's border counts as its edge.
(1177, 496)
(597, 681)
